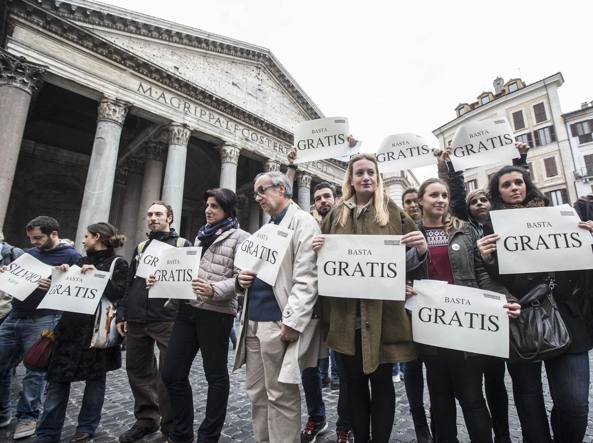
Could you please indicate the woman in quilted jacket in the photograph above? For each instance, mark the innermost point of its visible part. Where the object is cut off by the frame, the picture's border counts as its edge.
(204, 324)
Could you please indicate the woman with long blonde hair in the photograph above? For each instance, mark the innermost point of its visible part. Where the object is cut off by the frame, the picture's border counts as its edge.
(370, 335)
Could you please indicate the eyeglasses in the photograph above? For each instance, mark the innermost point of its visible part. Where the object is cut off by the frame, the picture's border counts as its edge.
(260, 191)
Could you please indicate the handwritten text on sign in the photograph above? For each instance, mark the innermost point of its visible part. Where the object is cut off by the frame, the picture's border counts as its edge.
(264, 251)
(541, 240)
(484, 142)
(322, 138)
(460, 317)
(362, 266)
(177, 268)
(74, 291)
(23, 275)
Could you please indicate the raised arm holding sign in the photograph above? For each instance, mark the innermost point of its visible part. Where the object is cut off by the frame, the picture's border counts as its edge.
(321, 139)
(484, 142)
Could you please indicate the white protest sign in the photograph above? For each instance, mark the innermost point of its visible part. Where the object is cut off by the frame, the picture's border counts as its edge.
(23, 275)
(264, 251)
(484, 142)
(321, 139)
(541, 240)
(74, 291)
(362, 266)
(356, 149)
(461, 318)
(176, 269)
(405, 151)
(149, 259)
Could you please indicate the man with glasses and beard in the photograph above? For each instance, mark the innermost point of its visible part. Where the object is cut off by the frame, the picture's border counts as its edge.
(25, 323)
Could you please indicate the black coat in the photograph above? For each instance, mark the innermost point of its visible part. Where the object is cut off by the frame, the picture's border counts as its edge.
(136, 306)
(72, 358)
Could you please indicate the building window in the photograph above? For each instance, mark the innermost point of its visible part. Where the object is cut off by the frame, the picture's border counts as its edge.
(551, 168)
(557, 197)
(471, 185)
(525, 138)
(518, 120)
(545, 136)
(589, 164)
(583, 130)
(539, 110)
(513, 87)
(531, 170)
(485, 99)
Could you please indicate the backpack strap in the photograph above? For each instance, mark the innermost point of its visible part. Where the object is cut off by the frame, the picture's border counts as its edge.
(112, 267)
(180, 242)
(141, 246)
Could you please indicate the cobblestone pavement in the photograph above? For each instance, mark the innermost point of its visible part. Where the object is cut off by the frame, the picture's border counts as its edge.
(119, 405)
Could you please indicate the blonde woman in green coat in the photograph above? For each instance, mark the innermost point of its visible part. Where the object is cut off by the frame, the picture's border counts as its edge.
(370, 335)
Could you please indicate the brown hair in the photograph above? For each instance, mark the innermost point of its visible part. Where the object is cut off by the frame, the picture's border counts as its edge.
(167, 206)
(449, 221)
(108, 234)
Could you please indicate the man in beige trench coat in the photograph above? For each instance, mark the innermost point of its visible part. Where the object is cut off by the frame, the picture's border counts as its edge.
(277, 334)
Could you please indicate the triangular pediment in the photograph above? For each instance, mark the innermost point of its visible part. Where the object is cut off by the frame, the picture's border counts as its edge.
(245, 83)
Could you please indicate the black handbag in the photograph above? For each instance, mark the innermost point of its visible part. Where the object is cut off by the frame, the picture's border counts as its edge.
(539, 333)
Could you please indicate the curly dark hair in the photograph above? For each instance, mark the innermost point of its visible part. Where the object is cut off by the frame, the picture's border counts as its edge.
(532, 192)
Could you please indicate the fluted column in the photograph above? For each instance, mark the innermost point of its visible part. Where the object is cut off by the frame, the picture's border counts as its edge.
(130, 204)
(304, 197)
(96, 200)
(119, 188)
(270, 166)
(175, 172)
(151, 185)
(19, 80)
(229, 159)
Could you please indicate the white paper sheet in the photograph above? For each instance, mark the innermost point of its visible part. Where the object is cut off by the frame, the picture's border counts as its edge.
(23, 275)
(321, 139)
(176, 269)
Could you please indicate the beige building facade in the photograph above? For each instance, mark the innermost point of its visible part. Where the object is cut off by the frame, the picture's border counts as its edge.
(533, 111)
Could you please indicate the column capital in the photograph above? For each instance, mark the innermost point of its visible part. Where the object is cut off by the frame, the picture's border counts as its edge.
(304, 179)
(230, 153)
(179, 134)
(121, 175)
(18, 72)
(154, 151)
(272, 166)
(134, 165)
(111, 110)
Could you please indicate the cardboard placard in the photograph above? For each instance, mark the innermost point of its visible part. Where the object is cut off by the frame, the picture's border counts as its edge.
(23, 275)
(149, 259)
(176, 269)
(399, 152)
(321, 139)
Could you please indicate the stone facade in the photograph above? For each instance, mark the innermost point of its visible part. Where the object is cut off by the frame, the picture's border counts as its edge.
(134, 109)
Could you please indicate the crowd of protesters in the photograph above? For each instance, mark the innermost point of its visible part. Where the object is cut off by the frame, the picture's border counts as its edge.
(287, 333)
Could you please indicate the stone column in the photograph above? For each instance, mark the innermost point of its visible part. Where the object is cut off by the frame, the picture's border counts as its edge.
(119, 189)
(96, 200)
(130, 204)
(19, 80)
(270, 166)
(229, 157)
(254, 216)
(304, 197)
(175, 172)
(151, 185)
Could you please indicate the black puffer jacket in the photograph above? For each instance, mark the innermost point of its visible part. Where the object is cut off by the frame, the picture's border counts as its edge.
(72, 359)
(136, 306)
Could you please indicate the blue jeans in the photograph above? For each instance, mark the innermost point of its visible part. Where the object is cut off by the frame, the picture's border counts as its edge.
(568, 378)
(17, 335)
(324, 368)
(5, 377)
(54, 409)
(311, 378)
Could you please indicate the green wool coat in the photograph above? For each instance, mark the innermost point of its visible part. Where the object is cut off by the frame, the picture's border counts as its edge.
(385, 326)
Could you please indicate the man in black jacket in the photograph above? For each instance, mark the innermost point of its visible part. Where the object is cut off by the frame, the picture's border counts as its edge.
(146, 321)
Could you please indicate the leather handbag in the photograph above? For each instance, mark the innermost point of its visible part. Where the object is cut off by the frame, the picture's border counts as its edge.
(38, 355)
(539, 333)
(105, 333)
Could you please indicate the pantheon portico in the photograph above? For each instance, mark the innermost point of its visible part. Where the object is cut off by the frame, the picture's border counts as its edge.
(104, 110)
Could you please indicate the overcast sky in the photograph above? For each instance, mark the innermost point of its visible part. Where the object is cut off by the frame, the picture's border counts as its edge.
(403, 66)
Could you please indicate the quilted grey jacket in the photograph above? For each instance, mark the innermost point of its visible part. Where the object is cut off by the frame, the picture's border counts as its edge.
(217, 267)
